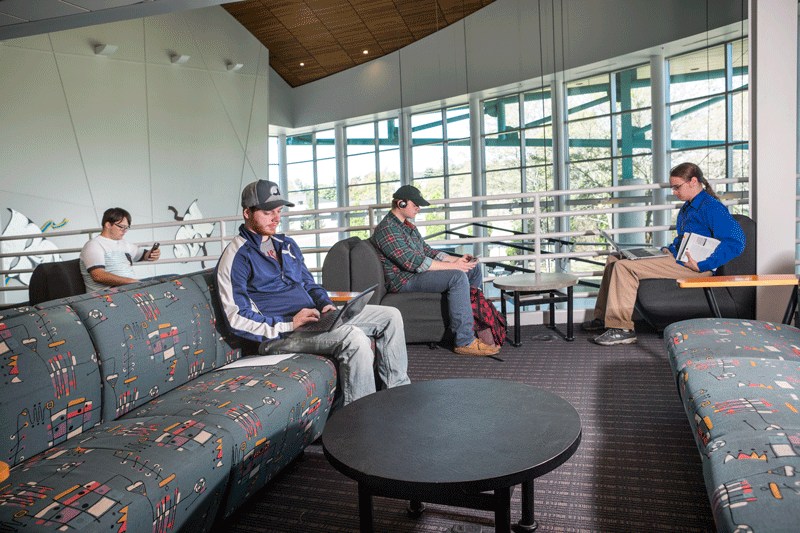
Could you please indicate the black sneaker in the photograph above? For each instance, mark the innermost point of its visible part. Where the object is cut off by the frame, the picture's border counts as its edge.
(616, 336)
(594, 325)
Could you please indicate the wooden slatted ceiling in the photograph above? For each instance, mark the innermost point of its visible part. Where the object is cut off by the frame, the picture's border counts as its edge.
(329, 36)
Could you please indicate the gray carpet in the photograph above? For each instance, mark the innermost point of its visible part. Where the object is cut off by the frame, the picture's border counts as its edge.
(637, 468)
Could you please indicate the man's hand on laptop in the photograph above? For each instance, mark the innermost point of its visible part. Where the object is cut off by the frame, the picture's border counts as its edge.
(304, 316)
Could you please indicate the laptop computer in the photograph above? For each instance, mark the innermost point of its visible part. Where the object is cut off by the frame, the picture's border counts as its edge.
(330, 320)
(647, 252)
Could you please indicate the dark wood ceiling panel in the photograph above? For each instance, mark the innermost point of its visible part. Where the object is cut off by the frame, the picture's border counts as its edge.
(329, 36)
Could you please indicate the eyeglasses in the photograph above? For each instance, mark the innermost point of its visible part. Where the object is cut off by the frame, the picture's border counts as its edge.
(676, 188)
(123, 228)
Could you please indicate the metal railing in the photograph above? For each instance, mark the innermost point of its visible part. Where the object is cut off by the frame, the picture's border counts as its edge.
(529, 244)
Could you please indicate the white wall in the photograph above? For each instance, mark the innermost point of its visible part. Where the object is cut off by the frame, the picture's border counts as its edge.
(502, 48)
(80, 133)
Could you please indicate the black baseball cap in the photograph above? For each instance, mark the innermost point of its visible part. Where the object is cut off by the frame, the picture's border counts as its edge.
(409, 192)
(263, 194)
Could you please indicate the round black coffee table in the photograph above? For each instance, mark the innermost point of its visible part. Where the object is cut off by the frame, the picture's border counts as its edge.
(450, 442)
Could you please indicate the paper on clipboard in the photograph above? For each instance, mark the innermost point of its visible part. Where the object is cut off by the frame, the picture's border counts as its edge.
(259, 360)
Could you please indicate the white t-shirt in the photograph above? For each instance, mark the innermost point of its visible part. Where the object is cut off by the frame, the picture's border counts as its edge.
(116, 257)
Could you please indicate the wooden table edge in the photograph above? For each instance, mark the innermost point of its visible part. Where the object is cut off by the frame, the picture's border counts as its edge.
(752, 280)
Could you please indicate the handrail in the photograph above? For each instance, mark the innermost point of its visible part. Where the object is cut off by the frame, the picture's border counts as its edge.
(531, 200)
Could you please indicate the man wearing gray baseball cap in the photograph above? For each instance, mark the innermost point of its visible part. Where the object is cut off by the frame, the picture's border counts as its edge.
(266, 291)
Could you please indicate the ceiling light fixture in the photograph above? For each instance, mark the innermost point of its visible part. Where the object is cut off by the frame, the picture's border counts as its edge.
(302, 64)
(366, 52)
(179, 59)
(105, 49)
(233, 67)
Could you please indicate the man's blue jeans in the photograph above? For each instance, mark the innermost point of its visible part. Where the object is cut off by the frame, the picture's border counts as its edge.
(456, 284)
(351, 346)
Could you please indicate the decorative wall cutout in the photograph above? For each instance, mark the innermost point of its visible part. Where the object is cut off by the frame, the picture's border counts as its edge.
(22, 225)
(191, 231)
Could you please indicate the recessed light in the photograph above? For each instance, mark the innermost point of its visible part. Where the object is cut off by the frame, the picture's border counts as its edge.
(366, 52)
(302, 64)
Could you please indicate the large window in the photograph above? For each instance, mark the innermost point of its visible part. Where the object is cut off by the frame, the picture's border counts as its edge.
(709, 112)
(442, 163)
(311, 177)
(518, 158)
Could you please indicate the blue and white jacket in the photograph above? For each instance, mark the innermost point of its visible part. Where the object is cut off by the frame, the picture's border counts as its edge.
(259, 297)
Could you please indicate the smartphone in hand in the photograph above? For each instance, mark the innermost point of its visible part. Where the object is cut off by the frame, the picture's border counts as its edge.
(155, 247)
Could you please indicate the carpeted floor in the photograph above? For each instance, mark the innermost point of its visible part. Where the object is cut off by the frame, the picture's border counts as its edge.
(637, 468)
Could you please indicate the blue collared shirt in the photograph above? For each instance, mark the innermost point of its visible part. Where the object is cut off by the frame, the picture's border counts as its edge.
(707, 216)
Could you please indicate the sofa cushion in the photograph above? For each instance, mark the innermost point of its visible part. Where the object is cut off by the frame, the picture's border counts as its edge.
(272, 412)
(149, 341)
(229, 346)
(137, 475)
(51, 381)
(751, 481)
(732, 396)
(710, 338)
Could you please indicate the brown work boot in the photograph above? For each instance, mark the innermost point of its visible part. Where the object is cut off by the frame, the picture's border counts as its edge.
(476, 347)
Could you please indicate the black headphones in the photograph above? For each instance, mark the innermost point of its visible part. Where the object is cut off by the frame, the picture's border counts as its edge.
(402, 204)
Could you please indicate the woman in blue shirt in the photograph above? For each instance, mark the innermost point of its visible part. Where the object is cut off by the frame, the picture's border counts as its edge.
(702, 213)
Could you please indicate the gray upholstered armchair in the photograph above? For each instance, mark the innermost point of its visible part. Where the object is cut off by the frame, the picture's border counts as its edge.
(354, 265)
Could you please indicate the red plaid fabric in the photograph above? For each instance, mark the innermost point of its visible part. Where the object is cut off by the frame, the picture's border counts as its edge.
(486, 315)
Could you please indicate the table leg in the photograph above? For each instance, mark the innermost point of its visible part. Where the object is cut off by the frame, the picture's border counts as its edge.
(570, 331)
(712, 301)
(365, 510)
(552, 311)
(790, 308)
(415, 509)
(526, 522)
(516, 319)
(502, 510)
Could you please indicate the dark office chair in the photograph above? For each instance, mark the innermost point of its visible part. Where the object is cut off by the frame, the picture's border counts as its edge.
(51, 281)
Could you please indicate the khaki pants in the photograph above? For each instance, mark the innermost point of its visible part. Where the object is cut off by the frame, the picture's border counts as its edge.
(617, 295)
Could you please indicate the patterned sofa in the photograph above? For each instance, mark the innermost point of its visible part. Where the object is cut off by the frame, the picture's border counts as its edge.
(740, 385)
(119, 415)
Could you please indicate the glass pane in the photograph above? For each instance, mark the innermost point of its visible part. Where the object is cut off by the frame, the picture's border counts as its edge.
(589, 175)
(589, 139)
(388, 134)
(302, 200)
(460, 186)
(504, 182)
(698, 123)
(327, 197)
(459, 157)
(326, 173)
(427, 161)
(426, 128)
(387, 190)
(501, 114)
(633, 88)
(741, 162)
(700, 73)
(539, 146)
(740, 121)
(300, 176)
(710, 160)
(431, 189)
(325, 144)
(588, 97)
(539, 178)
(299, 148)
(362, 194)
(634, 133)
(458, 122)
(274, 173)
(390, 166)
(360, 139)
(502, 151)
(361, 168)
(640, 168)
(273, 151)
(538, 108)
(740, 63)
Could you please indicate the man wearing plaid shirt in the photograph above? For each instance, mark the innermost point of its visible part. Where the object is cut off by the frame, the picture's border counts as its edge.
(410, 265)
